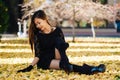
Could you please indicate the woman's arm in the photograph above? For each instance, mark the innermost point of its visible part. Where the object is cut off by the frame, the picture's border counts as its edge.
(60, 34)
(36, 58)
(30, 67)
(36, 51)
(35, 61)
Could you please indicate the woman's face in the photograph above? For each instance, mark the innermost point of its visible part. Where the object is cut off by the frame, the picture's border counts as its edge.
(40, 24)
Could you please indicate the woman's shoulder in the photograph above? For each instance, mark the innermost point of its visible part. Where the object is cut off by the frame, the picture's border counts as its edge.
(55, 30)
(58, 28)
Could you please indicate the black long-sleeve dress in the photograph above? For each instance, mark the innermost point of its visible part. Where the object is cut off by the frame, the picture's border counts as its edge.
(44, 45)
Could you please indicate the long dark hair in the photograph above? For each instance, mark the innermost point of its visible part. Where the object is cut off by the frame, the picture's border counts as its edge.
(32, 29)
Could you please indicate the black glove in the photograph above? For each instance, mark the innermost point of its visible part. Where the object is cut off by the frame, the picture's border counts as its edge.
(29, 68)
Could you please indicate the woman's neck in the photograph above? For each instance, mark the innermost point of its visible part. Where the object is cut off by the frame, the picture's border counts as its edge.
(48, 29)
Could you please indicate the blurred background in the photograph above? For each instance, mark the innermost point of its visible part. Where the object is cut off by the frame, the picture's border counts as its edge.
(73, 16)
(91, 27)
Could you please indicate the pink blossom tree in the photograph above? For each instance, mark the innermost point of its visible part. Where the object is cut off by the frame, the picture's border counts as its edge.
(75, 10)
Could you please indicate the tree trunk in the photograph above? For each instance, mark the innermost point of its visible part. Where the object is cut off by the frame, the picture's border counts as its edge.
(92, 28)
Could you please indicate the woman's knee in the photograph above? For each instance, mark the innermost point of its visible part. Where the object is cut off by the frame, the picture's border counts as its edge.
(61, 44)
(54, 64)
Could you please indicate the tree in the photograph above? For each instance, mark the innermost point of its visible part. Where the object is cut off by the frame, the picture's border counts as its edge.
(4, 17)
(103, 1)
(76, 10)
(13, 15)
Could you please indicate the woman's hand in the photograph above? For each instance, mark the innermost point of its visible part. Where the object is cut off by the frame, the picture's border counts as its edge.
(29, 68)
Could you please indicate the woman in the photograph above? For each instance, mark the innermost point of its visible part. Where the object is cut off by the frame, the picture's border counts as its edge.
(49, 46)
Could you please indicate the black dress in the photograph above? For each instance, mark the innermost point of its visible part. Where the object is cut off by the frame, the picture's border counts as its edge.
(45, 47)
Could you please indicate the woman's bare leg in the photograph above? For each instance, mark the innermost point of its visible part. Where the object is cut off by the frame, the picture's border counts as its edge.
(54, 64)
(57, 54)
(62, 63)
(85, 69)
